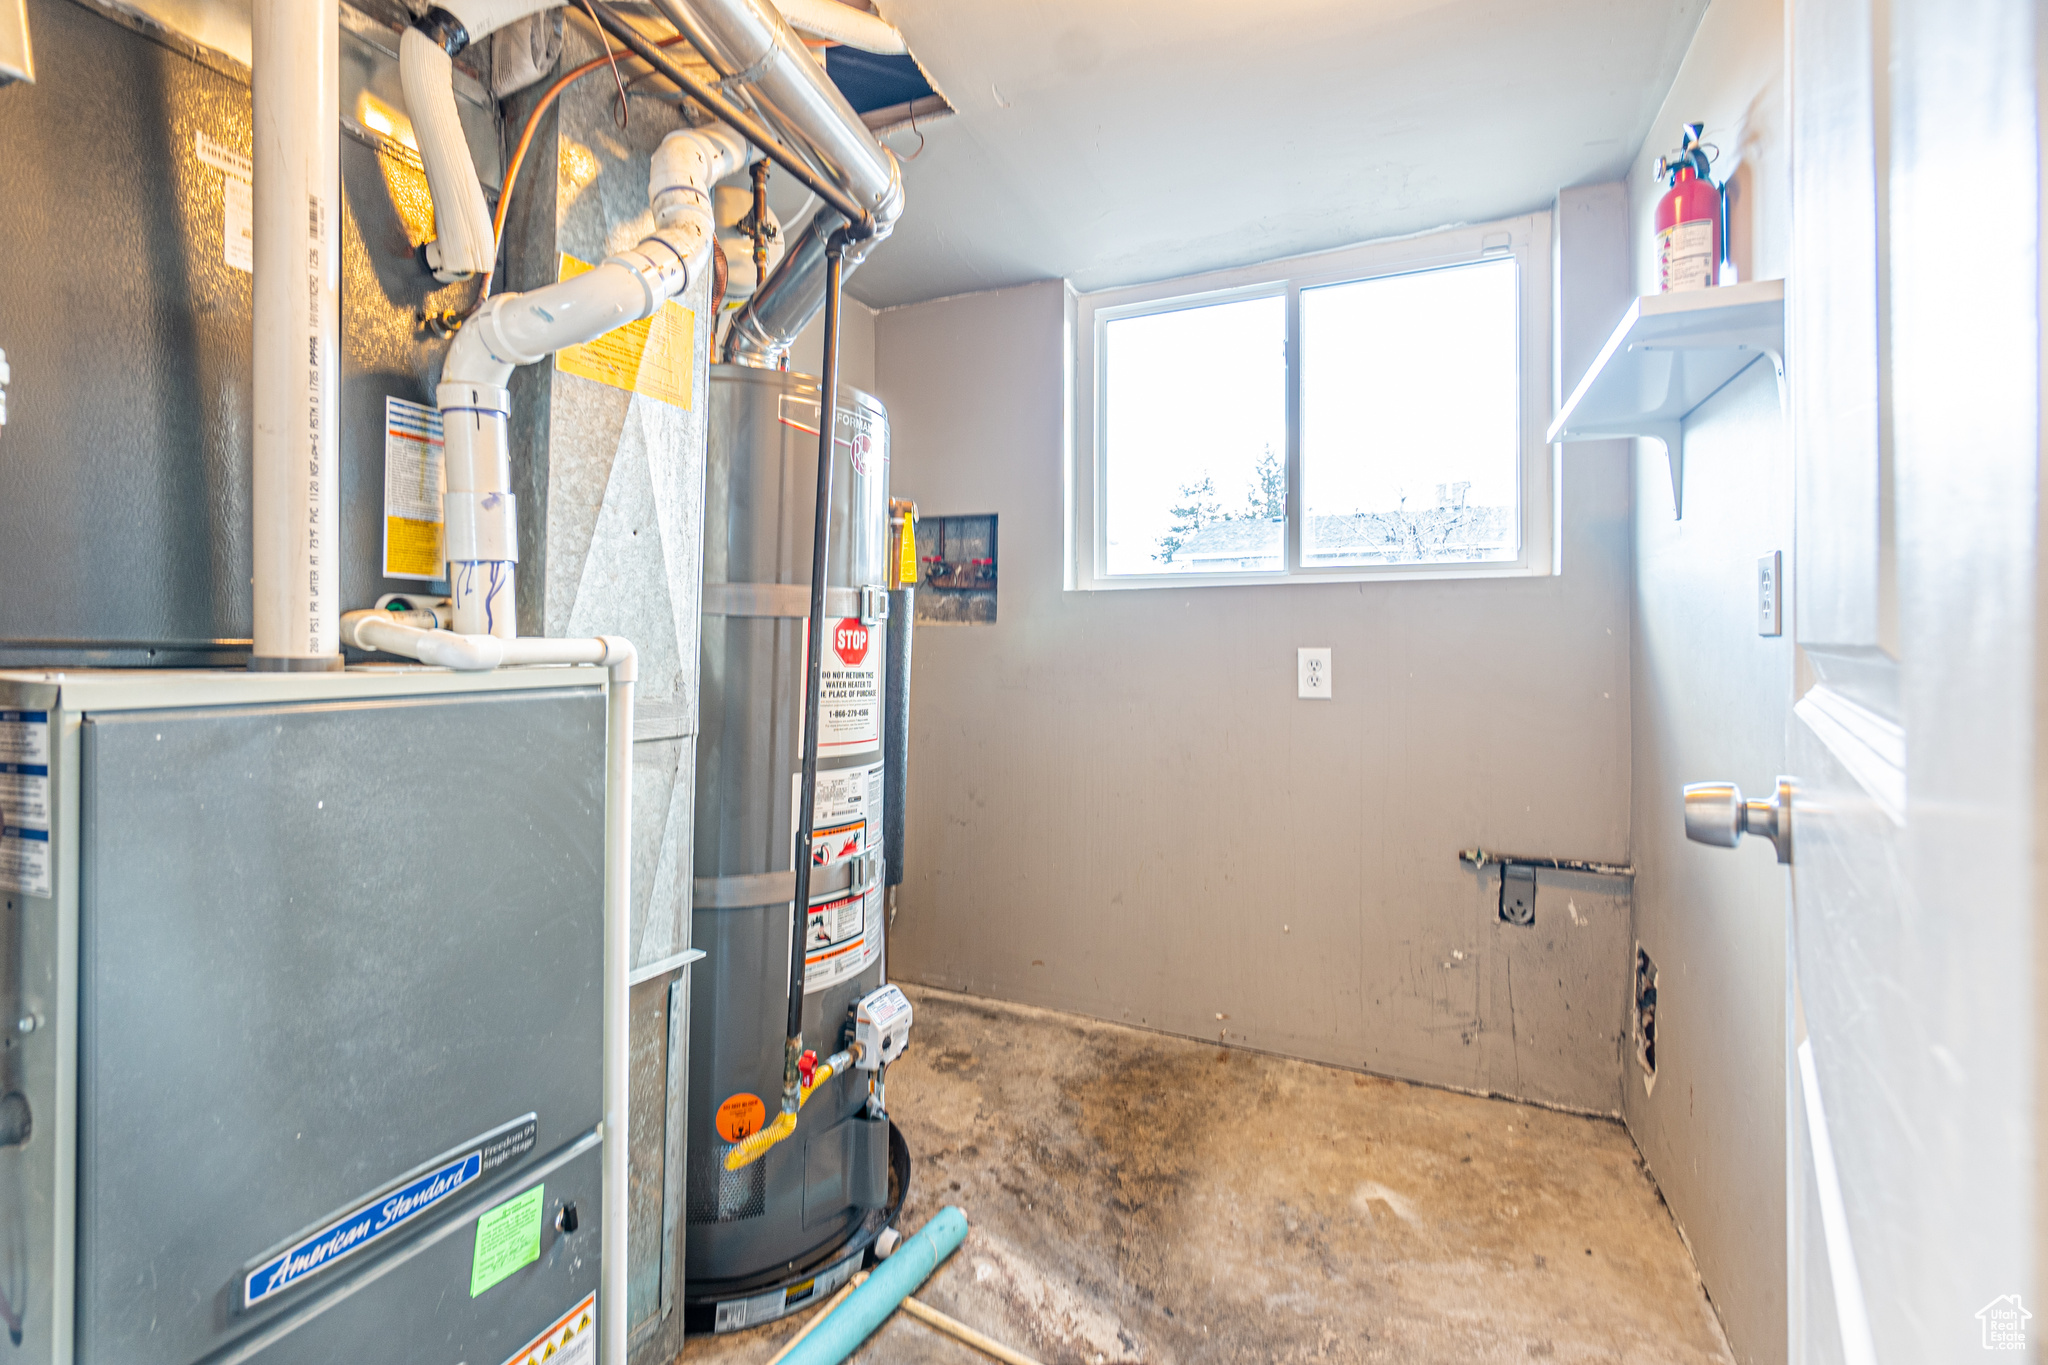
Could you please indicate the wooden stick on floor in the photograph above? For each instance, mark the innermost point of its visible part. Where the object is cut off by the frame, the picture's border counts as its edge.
(953, 1327)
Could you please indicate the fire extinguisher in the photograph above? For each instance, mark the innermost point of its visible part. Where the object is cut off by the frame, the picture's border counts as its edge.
(1691, 219)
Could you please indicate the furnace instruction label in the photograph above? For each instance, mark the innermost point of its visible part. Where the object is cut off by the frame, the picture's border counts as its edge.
(386, 1211)
(414, 481)
(238, 224)
(25, 860)
(25, 794)
(507, 1238)
(25, 802)
(652, 357)
(570, 1339)
(238, 200)
(24, 737)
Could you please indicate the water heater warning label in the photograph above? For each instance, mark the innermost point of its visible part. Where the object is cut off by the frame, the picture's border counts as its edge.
(850, 688)
(843, 930)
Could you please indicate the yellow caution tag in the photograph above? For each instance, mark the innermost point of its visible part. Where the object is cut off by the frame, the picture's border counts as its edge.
(906, 566)
(652, 356)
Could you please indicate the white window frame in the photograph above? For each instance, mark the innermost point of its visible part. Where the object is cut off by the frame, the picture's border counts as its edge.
(1526, 239)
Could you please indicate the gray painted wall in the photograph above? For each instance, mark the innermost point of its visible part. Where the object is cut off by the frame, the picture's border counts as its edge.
(856, 346)
(1711, 699)
(1118, 807)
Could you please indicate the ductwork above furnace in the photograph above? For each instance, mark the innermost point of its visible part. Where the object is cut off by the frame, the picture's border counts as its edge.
(749, 43)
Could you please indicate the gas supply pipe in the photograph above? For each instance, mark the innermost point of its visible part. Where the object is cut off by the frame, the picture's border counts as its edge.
(815, 1074)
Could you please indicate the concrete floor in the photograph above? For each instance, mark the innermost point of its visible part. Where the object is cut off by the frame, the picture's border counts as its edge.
(1136, 1197)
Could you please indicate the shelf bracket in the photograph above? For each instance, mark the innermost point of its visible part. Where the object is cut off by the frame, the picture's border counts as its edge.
(1669, 354)
(1671, 435)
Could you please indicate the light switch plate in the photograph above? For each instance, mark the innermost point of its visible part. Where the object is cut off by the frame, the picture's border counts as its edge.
(1312, 673)
(1770, 594)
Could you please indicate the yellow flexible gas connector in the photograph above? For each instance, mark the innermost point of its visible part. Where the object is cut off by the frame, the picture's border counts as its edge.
(752, 1149)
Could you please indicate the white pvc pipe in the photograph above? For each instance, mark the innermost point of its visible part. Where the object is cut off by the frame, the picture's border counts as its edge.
(613, 1322)
(480, 513)
(296, 484)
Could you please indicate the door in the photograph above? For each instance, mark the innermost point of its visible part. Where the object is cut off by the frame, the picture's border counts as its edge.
(1915, 390)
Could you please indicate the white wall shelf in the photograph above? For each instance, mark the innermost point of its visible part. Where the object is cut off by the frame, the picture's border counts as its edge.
(1669, 354)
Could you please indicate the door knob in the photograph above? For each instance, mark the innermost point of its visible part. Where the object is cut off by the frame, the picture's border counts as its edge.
(1716, 814)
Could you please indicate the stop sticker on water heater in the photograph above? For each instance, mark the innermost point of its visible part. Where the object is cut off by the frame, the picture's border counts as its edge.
(850, 688)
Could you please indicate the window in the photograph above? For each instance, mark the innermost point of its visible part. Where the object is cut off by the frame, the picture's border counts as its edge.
(1195, 424)
(1374, 412)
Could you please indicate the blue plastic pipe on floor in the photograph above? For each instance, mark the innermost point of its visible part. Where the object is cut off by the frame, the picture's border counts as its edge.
(893, 1281)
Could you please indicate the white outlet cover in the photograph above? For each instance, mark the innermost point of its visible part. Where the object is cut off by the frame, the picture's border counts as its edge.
(1312, 673)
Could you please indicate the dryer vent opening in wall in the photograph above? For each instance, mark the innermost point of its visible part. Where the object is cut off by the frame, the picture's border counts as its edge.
(1646, 1019)
(956, 571)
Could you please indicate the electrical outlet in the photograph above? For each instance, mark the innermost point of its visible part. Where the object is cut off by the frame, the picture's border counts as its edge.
(1770, 594)
(1312, 673)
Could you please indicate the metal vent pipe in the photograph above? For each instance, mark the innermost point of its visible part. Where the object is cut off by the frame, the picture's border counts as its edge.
(767, 55)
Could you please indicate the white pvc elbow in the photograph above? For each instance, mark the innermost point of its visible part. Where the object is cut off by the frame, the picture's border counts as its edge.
(480, 513)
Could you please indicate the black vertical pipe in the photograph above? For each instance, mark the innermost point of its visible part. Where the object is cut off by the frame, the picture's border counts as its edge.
(896, 727)
(807, 791)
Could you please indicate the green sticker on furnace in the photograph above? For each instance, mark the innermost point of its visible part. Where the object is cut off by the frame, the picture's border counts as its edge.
(507, 1237)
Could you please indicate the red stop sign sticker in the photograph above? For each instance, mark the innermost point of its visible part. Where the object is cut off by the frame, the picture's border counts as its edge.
(850, 641)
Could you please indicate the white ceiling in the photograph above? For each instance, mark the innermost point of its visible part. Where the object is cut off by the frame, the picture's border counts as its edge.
(1116, 141)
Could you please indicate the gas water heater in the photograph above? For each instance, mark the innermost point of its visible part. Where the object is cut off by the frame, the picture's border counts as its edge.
(790, 1227)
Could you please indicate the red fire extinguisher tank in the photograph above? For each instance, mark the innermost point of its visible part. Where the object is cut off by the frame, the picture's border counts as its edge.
(1689, 220)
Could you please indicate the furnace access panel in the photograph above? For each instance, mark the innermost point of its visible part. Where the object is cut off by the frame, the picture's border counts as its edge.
(302, 1018)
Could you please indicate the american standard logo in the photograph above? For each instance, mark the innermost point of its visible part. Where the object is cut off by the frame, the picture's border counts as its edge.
(387, 1211)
